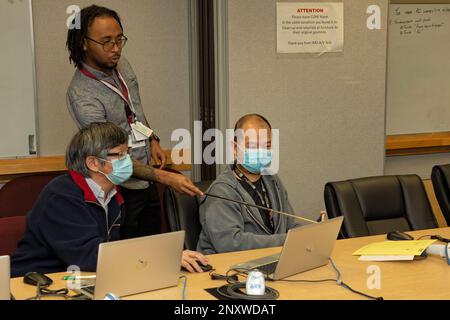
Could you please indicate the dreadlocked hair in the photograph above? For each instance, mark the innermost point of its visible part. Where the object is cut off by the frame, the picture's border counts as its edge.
(76, 37)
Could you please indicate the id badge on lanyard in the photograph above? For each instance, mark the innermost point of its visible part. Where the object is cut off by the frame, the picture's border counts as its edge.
(139, 132)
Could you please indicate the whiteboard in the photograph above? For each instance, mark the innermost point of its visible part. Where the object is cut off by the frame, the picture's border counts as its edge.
(418, 75)
(17, 80)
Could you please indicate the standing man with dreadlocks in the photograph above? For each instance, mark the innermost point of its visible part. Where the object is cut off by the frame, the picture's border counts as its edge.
(105, 89)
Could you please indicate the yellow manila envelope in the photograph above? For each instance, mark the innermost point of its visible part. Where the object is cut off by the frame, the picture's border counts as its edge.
(393, 248)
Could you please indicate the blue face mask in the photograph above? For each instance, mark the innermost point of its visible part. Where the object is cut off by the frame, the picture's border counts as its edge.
(122, 170)
(255, 160)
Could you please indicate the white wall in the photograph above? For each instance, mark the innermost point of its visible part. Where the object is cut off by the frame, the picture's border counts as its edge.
(17, 85)
(330, 109)
(420, 165)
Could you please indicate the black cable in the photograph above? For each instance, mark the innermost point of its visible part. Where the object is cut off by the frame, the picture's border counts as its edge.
(59, 292)
(233, 291)
(346, 286)
(238, 272)
(337, 280)
(435, 237)
(307, 281)
(216, 276)
(44, 292)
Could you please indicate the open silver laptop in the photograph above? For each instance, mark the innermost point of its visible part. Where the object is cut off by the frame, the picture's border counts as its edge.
(129, 267)
(5, 276)
(305, 248)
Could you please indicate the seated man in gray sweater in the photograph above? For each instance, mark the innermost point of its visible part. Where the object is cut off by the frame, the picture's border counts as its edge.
(229, 226)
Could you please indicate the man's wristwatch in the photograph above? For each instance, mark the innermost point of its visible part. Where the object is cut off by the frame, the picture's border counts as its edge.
(154, 137)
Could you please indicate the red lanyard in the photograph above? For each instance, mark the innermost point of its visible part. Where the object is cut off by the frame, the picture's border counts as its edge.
(129, 109)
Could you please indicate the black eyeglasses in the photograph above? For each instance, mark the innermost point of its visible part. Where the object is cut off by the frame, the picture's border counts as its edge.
(109, 45)
(120, 156)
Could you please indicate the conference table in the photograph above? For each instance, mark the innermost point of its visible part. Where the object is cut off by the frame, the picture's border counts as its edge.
(419, 279)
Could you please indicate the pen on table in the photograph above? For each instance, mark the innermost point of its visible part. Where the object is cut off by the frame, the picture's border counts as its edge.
(78, 277)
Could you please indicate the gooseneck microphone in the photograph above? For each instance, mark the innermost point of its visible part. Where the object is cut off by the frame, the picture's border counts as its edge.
(256, 206)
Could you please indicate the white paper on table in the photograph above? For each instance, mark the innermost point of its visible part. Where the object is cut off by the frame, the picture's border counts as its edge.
(386, 258)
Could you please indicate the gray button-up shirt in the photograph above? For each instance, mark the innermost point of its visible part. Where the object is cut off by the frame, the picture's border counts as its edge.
(89, 100)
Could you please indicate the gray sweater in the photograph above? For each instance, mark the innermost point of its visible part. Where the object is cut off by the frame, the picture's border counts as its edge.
(230, 226)
(89, 100)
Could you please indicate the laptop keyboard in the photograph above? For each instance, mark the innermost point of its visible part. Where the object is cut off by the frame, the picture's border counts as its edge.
(269, 268)
(90, 289)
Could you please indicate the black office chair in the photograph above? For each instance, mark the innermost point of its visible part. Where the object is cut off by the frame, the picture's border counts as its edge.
(440, 176)
(378, 205)
(182, 214)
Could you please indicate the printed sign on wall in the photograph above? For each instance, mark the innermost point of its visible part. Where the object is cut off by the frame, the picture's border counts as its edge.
(310, 27)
